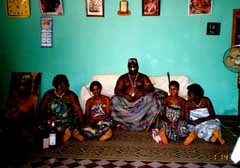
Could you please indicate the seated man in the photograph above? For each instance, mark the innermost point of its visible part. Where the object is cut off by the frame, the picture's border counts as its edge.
(135, 105)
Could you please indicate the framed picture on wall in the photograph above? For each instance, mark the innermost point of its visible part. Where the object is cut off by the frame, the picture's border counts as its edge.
(199, 7)
(213, 28)
(95, 8)
(150, 7)
(236, 27)
(51, 7)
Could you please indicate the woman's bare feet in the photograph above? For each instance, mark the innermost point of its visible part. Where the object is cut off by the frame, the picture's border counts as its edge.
(163, 136)
(106, 136)
(67, 135)
(217, 133)
(76, 134)
(190, 138)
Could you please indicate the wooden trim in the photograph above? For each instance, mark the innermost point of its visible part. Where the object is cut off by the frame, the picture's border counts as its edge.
(233, 118)
(236, 12)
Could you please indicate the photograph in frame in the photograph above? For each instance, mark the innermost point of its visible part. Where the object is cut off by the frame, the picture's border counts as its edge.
(51, 7)
(213, 28)
(199, 7)
(95, 8)
(150, 7)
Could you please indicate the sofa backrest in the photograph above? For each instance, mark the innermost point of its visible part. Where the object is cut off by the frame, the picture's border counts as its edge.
(108, 82)
(161, 82)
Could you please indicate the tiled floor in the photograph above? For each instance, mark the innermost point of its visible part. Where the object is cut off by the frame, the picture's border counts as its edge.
(77, 163)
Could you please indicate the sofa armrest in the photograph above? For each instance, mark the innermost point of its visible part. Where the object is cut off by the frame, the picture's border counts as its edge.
(84, 95)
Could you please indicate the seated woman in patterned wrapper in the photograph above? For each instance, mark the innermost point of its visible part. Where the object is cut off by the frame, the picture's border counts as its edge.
(98, 120)
(135, 106)
(61, 105)
(173, 125)
(201, 117)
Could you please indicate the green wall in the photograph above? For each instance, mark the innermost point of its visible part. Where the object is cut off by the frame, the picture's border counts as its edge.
(84, 46)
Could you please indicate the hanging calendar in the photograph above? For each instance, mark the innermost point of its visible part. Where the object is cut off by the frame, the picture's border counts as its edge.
(46, 32)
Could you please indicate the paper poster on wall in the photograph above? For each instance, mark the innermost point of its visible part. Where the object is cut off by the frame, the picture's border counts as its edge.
(23, 96)
(46, 32)
(51, 7)
(199, 7)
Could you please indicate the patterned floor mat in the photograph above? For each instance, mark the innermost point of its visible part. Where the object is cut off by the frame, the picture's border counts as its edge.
(129, 146)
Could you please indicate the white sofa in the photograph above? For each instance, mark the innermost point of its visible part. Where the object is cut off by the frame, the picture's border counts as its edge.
(108, 82)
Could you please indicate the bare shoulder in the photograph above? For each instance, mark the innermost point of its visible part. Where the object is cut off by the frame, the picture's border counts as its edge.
(182, 99)
(206, 100)
(122, 79)
(104, 97)
(34, 96)
(90, 100)
(168, 98)
(49, 92)
(188, 103)
(124, 76)
(143, 75)
(72, 93)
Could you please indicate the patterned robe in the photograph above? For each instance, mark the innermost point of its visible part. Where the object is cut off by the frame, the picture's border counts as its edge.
(139, 115)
